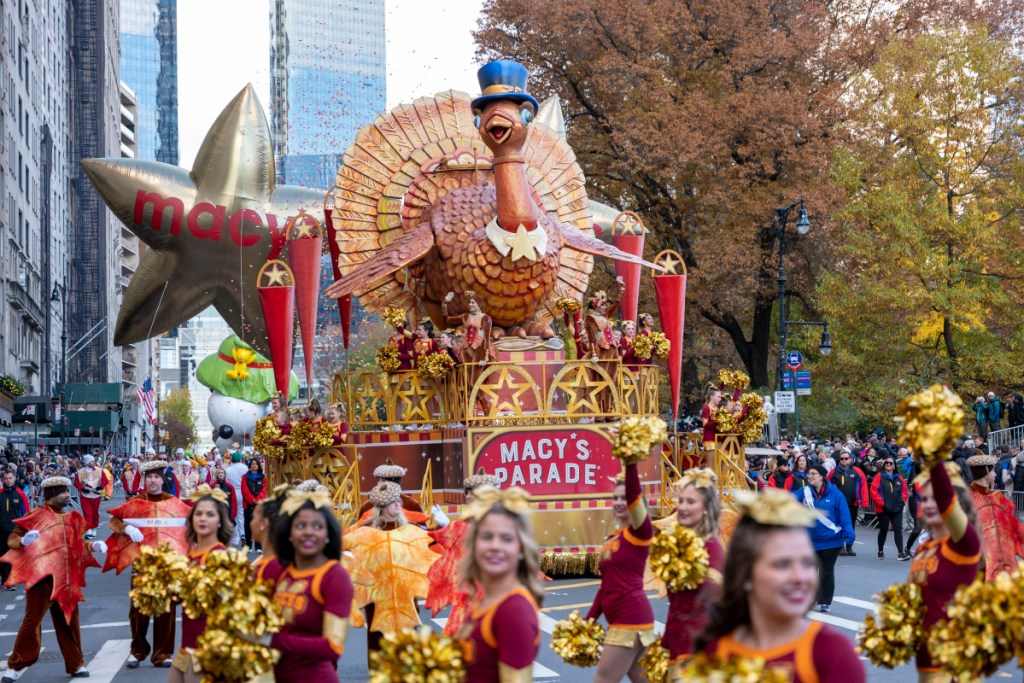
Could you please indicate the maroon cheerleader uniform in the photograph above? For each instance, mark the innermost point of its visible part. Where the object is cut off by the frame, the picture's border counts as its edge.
(820, 655)
(191, 628)
(503, 640)
(688, 610)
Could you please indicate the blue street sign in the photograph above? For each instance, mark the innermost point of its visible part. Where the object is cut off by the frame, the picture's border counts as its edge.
(803, 380)
(794, 359)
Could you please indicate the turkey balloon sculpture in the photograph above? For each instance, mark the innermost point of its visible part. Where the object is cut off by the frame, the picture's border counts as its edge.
(447, 195)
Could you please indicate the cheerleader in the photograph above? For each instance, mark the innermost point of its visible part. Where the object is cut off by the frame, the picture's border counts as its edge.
(208, 529)
(424, 343)
(627, 345)
(312, 588)
(621, 597)
(314, 413)
(949, 558)
(264, 519)
(769, 585)
(335, 416)
(698, 509)
(502, 633)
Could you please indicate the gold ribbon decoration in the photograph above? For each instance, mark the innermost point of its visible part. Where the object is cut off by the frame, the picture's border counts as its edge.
(204, 491)
(515, 500)
(775, 507)
(700, 477)
(295, 499)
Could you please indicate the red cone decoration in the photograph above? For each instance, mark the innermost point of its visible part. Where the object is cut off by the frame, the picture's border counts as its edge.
(344, 303)
(276, 286)
(628, 235)
(670, 291)
(305, 244)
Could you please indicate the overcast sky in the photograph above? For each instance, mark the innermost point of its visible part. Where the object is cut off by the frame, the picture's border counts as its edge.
(224, 44)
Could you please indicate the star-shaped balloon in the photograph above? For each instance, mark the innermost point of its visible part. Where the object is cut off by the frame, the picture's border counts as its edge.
(209, 230)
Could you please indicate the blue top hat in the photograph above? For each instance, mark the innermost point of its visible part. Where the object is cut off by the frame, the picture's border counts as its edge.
(503, 80)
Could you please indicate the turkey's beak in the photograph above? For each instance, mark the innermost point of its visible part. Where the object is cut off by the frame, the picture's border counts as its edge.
(499, 128)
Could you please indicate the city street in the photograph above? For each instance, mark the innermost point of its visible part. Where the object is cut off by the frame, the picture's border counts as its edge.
(105, 635)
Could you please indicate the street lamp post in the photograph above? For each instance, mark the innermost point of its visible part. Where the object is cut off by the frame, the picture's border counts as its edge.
(803, 226)
(56, 297)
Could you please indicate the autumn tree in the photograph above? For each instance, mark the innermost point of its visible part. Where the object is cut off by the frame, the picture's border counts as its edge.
(177, 423)
(926, 280)
(702, 117)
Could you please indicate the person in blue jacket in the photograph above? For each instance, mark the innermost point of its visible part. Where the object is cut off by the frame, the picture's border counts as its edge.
(832, 532)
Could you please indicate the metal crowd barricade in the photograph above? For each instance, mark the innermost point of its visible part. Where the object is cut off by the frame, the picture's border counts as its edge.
(1005, 437)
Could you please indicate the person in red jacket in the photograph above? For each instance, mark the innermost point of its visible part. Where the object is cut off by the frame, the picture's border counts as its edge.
(798, 477)
(254, 489)
(889, 494)
(131, 480)
(852, 483)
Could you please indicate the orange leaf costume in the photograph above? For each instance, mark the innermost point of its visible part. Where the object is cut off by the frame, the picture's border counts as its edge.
(160, 521)
(60, 552)
(389, 569)
(443, 575)
(1002, 534)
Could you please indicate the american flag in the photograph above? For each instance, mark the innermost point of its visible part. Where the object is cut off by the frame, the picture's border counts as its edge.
(147, 398)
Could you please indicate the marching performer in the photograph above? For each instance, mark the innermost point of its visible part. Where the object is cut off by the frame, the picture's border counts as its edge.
(151, 518)
(949, 558)
(621, 597)
(698, 509)
(131, 479)
(769, 584)
(90, 480)
(188, 479)
(502, 631)
(264, 520)
(208, 528)
(393, 473)
(44, 544)
(1002, 533)
(311, 586)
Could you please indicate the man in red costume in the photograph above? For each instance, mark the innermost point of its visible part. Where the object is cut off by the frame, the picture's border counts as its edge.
(1001, 532)
(90, 480)
(151, 518)
(131, 480)
(49, 556)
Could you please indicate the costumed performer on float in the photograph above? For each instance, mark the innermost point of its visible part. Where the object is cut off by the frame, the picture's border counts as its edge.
(393, 473)
(450, 543)
(646, 330)
(48, 555)
(424, 344)
(91, 481)
(502, 632)
(476, 348)
(600, 338)
(698, 509)
(312, 588)
(712, 401)
(627, 346)
(1001, 532)
(336, 418)
(621, 598)
(151, 518)
(208, 528)
(241, 383)
(769, 584)
(400, 340)
(390, 561)
(131, 480)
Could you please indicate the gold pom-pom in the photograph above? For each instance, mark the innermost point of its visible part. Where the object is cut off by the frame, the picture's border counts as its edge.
(264, 436)
(417, 656)
(655, 662)
(891, 637)
(751, 427)
(300, 439)
(679, 558)
(660, 345)
(323, 436)
(985, 627)
(158, 575)
(643, 346)
(434, 365)
(223, 591)
(725, 421)
(931, 422)
(705, 668)
(636, 436)
(567, 305)
(224, 656)
(393, 316)
(578, 641)
(735, 379)
(387, 359)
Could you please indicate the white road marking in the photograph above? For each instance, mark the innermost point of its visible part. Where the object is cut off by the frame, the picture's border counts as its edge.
(539, 670)
(20, 597)
(863, 604)
(835, 621)
(108, 661)
(9, 607)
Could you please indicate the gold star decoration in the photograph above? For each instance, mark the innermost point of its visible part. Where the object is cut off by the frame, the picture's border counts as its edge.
(671, 262)
(524, 244)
